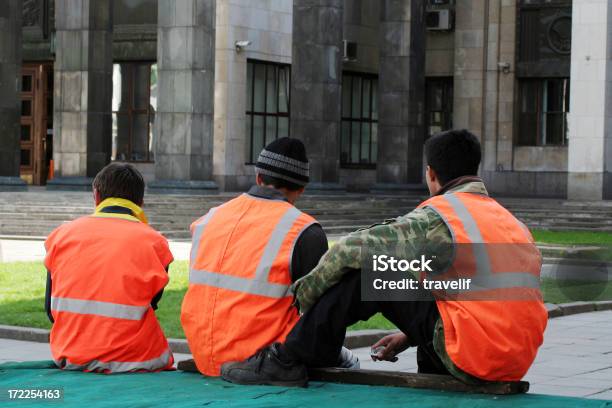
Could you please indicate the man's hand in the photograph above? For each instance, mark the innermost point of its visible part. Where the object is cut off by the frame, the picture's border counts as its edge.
(393, 344)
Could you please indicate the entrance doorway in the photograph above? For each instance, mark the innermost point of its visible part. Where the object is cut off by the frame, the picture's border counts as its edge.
(36, 122)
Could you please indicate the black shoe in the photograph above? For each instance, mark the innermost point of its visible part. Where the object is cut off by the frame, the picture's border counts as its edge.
(269, 366)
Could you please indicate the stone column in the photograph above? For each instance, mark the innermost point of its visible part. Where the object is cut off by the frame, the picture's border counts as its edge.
(83, 91)
(590, 118)
(469, 65)
(316, 87)
(184, 120)
(10, 84)
(401, 94)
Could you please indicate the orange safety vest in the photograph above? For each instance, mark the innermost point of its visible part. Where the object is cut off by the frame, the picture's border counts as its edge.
(105, 270)
(496, 336)
(239, 297)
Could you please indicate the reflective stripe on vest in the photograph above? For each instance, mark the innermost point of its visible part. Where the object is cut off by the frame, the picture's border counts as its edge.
(258, 285)
(484, 278)
(94, 307)
(156, 363)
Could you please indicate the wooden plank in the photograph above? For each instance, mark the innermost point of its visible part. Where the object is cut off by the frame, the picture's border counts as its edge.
(399, 379)
(413, 380)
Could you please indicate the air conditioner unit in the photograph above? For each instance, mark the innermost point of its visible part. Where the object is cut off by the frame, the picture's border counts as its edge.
(349, 53)
(439, 20)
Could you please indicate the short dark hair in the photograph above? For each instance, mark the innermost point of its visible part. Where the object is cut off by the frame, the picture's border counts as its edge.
(279, 182)
(453, 154)
(120, 180)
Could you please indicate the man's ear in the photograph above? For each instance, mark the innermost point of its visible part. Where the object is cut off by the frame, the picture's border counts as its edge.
(258, 179)
(96, 196)
(431, 173)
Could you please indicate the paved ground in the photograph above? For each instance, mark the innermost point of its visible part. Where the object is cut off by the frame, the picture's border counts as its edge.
(13, 250)
(575, 360)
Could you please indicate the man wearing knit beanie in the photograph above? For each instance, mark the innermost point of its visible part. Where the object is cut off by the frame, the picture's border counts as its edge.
(245, 255)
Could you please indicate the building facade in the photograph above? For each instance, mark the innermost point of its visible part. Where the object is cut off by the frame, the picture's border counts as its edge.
(191, 90)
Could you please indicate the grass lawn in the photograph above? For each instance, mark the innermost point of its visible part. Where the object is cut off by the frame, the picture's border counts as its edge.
(22, 291)
(571, 237)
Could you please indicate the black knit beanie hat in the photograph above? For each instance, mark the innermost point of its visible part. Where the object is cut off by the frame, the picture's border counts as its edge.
(284, 158)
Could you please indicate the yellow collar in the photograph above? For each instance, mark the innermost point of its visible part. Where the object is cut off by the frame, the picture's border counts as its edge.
(137, 215)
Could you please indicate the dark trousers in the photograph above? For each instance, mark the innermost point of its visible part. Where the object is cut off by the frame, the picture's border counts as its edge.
(318, 336)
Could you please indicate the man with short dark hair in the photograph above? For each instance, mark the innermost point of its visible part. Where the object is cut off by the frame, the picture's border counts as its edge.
(245, 255)
(106, 273)
(490, 333)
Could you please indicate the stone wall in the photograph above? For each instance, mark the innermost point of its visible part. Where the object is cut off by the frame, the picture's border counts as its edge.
(590, 142)
(10, 86)
(361, 26)
(267, 25)
(83, 87)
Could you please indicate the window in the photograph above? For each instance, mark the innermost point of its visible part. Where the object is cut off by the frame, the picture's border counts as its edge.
(267, 114)
(439, 105)
(544, 104)
(134, 106)
(359, 120)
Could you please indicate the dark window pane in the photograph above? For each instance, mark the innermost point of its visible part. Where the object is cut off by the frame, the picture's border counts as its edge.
(365, 143)
(270, 129)
(249, 159)
(356, 134)
(529, 96)
(271, 90)
(367, 84)
(556, 129)
(25, 133)
(26, 107)
(374, 131)
(258, 137)
(375, 99)
(140, 138)
(439, 104)
(346, 96)
(142, 75)
(26, 157)
(26, 83)
(283, 90)
(260, 87)
(356, 98)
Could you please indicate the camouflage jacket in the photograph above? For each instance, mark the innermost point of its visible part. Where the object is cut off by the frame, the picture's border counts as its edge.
(410, 233)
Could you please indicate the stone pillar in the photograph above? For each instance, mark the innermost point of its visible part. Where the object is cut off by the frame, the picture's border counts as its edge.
(401, 94)
(590, 118)
(184, 120)
(10, 84)
(83, 91)
(469, 65)
(316, 87)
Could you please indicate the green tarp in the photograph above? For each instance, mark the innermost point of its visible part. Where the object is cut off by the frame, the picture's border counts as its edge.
(180, 389)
